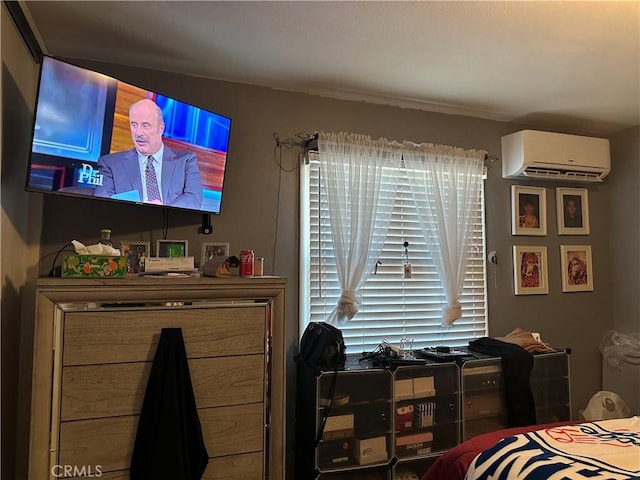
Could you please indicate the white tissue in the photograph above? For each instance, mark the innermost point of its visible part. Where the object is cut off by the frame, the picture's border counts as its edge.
(97, 249)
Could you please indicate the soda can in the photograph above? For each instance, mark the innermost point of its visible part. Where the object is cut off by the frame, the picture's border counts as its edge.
(246, 263)
(258, 267)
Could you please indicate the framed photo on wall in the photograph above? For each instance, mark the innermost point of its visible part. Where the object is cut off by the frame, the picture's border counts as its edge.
(172, 248)
(211, 250)
(136, 252)
(528, 210)
(530, 275)
(572, 205)
(577, 270)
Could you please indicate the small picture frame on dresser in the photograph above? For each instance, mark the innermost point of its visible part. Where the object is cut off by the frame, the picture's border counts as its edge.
(211, 250)
(136, 253)
(172, 248)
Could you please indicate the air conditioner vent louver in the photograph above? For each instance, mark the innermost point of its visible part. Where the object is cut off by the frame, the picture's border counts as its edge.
(555, 174)
(555, 156)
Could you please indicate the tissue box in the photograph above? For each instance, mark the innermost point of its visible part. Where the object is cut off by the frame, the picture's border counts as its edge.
(93, 266)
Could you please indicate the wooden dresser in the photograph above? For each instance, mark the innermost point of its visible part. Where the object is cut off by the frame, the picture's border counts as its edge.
(95, 341)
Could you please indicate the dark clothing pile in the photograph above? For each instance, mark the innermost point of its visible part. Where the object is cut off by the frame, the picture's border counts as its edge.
(516, 371)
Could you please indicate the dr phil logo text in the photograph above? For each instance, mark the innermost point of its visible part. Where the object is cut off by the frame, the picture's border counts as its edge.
(89, 175)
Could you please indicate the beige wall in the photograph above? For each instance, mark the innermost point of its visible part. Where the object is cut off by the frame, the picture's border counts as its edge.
(20, 241)
(624, 259)
(260, 208)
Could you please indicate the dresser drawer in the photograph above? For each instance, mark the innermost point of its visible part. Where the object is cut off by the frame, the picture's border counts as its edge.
(110, 390)
(132, 335)
(108, 442)
(248, 466)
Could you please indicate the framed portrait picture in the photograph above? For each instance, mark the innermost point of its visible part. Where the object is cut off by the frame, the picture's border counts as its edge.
(530, 275)
(577, 271)
(572, 205)
(172, 248)
(210, 250)
(136, 252)
(528, 210)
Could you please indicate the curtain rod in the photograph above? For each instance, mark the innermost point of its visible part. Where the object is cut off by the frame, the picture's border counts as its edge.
(311, 145)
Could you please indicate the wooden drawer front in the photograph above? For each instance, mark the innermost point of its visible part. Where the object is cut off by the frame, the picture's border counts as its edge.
(237, 467)
(108, 442)
(119, 475)
(132, 336)
(92, 391)
(229, 430)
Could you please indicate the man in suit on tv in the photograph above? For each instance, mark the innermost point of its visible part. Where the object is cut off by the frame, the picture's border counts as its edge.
(151, 172)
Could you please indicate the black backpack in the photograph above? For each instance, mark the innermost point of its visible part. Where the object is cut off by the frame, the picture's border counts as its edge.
(322, 347)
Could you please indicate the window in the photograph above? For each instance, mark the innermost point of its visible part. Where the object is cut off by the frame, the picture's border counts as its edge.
(392, 306)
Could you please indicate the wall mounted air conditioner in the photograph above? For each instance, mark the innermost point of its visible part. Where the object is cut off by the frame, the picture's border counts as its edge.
(555, 156)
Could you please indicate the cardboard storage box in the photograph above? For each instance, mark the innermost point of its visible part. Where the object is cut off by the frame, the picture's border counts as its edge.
(334, 453)
(93, 266)
(338, 426)
(403, 390)
(423, 387)
(404, 418)
(370, 450)
(416, 444)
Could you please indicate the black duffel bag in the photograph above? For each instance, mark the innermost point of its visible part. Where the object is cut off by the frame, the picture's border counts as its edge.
(322, 347)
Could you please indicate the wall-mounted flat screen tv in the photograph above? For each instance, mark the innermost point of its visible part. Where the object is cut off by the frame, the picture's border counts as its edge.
(93, 137)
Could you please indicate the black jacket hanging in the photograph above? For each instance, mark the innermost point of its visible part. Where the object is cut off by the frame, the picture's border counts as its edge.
(169, 443)
(517, 364)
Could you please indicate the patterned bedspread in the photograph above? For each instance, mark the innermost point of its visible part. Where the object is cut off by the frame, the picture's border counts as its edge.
(606, 449)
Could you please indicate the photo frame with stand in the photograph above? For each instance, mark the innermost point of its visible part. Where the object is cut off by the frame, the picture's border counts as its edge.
(136, 253)
(530, 274)
(577, 269)
(572, 205)
(172, 248)
(528, 210)
(211, 250)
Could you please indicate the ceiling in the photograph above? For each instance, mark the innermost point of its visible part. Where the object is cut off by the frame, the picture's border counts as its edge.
(564, 65)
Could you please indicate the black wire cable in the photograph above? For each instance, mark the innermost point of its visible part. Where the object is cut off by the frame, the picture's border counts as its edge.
(275, 237)
(277, 159)
(53, 265)
(304, 139)
(165, 223)
(277, 153)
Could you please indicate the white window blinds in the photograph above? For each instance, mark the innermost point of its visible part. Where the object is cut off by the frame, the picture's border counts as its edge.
(393, 307)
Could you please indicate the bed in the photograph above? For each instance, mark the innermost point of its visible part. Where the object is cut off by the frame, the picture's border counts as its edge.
(606, 449)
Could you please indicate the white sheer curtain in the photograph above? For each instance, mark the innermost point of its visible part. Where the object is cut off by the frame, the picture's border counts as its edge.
(446, 187)
(360, 199)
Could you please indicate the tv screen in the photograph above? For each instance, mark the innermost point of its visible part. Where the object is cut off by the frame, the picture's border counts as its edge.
(95, 136)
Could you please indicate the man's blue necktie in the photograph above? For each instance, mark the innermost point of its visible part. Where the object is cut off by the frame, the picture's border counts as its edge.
(151, 180)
